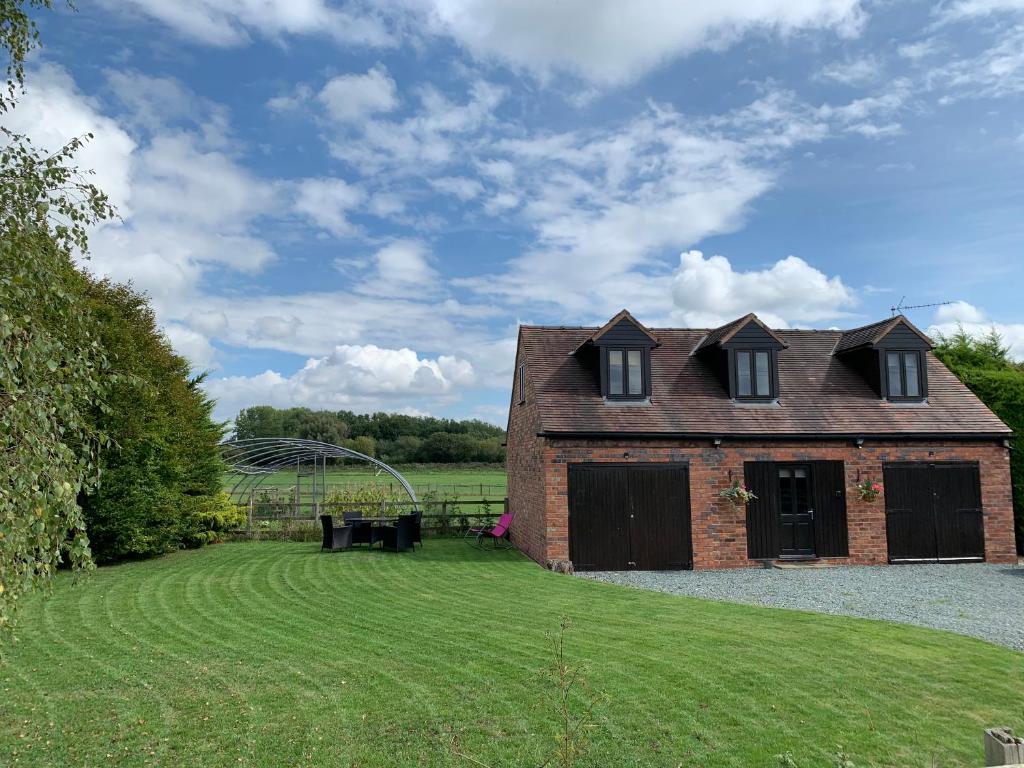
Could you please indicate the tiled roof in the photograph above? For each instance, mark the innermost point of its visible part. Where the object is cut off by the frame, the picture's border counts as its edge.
(819, 393)
(723, 333)
(870, 334)
(622, 315)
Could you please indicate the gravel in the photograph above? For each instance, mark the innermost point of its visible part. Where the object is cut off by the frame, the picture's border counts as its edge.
(980, 600)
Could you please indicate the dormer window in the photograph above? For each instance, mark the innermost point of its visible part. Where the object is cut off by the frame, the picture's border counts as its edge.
(753, 374)
(744, 356)
(626, 373)
(891, 355)
(619, 354)
(903, 378)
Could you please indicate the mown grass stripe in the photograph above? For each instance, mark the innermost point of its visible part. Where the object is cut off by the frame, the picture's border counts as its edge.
(235, 655)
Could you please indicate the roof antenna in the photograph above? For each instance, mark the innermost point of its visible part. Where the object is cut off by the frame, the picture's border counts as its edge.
(899, 307)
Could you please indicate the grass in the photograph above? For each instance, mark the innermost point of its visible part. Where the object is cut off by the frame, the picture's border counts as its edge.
(451, 482)
(271, 654)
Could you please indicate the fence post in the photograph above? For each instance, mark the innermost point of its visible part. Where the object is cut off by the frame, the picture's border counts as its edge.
(248, 522)
(444, 517)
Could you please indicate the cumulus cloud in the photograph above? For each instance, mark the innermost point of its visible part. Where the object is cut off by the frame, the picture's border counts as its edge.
(710, 292)
(975, 321)
(354, 98)
(357, 377)
(611, 42)
(226, 23)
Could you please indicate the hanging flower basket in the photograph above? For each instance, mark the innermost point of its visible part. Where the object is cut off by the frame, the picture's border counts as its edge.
(868, 490)
(737, 493)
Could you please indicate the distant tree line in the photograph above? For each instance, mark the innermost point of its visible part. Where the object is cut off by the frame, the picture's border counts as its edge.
(391, 437)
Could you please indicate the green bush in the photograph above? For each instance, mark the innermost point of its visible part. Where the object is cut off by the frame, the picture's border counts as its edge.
(160, 484)
(983, 364)
(207, 518)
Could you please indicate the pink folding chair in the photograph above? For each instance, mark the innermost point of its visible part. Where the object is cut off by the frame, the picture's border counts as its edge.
(496, 534)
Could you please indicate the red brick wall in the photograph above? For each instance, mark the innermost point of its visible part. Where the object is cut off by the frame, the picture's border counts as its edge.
(719, 528)
(525, 467)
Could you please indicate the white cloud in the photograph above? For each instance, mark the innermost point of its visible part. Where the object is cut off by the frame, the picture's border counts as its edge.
(354, 98)
(959, 312)
(709, 292)
(611, 42)
(358, 377)
(53, 111)
(972, 8)
(465, 189)
(997, 71)
(287, 102)
(859, 71)
(401, 269)
(193, 346)
(326, 203)
(951, 318)
(919, 50)
(426, 139)
(232, 22)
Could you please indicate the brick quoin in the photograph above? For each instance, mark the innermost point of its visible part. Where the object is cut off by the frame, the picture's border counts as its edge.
(538, 488)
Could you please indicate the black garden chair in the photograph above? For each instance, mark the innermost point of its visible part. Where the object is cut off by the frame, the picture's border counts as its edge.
(335, 537)
(417, 535)
(400, 536)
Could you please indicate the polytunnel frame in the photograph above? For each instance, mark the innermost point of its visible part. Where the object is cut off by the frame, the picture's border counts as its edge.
(255, 459)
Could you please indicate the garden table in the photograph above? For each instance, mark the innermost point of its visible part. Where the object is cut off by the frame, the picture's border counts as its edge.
(374, 524)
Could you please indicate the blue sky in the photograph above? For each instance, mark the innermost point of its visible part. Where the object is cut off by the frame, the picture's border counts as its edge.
(353, 205)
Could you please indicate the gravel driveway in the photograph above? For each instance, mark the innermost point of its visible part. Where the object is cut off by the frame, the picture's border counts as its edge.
(980, 600)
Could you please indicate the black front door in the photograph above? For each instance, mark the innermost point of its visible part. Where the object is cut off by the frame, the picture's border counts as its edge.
(796, 517)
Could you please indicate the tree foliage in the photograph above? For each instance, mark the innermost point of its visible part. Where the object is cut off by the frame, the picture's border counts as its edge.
(984, 365)
(161, 487)
(53, 372)
(392, 437)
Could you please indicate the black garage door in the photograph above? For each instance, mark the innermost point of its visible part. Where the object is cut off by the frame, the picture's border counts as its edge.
(629, 516)
(933, 511)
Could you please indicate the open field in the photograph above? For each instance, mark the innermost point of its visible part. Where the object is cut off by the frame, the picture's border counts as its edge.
(428, 481)
(272, 654)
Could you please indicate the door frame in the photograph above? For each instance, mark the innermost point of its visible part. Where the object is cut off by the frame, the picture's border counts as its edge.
(931, 464)
(813, 555)
(675, 464)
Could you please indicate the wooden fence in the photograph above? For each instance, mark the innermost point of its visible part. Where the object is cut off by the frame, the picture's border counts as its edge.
(447, 517)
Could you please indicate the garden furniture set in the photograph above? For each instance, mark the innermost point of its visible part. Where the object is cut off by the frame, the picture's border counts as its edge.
(398, 534)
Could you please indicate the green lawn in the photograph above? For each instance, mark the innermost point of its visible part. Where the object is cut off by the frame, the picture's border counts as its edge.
(456, 481)
(272, 654)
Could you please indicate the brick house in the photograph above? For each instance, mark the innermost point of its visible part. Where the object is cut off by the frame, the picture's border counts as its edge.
(621, 439)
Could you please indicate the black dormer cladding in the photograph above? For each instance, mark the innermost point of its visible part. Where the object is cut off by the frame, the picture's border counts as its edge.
(863, 349)
(746, 333)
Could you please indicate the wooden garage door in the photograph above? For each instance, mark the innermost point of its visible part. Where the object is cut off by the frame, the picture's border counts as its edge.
(933, 511)
(629, 516)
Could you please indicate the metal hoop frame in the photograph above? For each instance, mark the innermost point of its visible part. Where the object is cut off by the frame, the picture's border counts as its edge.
(255, 459)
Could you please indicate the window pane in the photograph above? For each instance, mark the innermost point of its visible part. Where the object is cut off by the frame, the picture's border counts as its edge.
(615, 371)
(910, 371)
(743, 374)
(636, 377)
(893, 366)
(764, 387)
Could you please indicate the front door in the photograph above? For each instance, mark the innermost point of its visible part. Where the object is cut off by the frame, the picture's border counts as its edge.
(796, 517)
